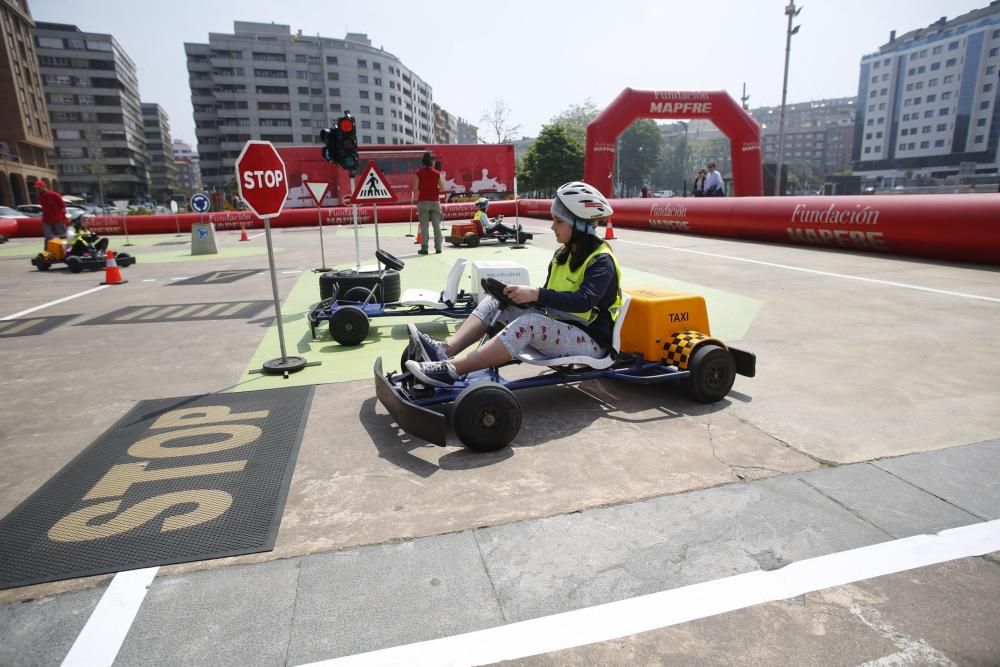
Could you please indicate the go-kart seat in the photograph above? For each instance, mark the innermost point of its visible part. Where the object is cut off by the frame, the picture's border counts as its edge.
(437, 300)
(530, 355)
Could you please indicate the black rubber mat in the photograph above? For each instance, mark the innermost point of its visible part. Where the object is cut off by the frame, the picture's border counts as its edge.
(216, 277)
(181, 312)
(31, 326)
(174, 480)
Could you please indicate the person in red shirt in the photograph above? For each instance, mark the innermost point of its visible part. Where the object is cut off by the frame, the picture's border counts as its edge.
(428, 185)
(53, 212)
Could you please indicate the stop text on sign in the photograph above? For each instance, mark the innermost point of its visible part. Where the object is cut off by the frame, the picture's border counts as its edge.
(262, 178)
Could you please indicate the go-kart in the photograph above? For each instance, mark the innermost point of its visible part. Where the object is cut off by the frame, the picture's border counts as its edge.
(646, 350)
(349, 315)
(471, 233)
(57, 250)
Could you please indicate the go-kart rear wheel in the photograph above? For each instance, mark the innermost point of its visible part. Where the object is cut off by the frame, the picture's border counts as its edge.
(349, 325)
(713, 372)
(41, 263)
(486, 417)
(471, 240)
(74, 263)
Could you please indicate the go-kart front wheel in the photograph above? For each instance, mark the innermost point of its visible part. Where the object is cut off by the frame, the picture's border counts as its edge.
(349, 325)
(486, 417)
(74, 263)
(713, 372)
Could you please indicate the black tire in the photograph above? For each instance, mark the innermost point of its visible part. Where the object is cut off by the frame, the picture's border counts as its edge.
(358, 294)
(75, 264)
(349, 325)
(502, 238)
(486, 417)
(3, 239)
(391, 287)
(124, 260)
(455, 241)
(471, 240)
(713, 372)
(522, 237)
(42, 264)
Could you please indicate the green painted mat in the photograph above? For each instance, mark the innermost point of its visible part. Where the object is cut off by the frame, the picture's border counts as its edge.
(730, 315)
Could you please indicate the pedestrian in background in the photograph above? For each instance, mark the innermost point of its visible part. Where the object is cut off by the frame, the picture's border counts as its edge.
(428, 185)
(698, 188)
(53, 212)
(713, 182)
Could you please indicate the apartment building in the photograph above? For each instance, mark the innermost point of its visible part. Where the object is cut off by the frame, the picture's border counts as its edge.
(445, 126)
(928, 101)
(162, 170)
(92, 95)
(25, 136)
(264, 82)
(188, 172)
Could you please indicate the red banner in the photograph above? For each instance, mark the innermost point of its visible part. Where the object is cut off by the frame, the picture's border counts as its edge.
(954, 227)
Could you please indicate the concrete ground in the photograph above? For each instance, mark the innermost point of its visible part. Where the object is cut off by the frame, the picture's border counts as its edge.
(873, 417)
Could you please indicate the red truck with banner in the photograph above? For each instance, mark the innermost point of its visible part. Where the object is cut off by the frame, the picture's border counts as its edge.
(470, 171)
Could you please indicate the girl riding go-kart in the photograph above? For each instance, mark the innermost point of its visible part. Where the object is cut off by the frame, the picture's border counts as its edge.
(581, 326)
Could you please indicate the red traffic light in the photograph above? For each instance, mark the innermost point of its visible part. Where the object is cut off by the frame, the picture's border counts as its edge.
(345, 124)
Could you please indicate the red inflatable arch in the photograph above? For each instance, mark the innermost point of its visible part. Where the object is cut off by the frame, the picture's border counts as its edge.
(716, 106)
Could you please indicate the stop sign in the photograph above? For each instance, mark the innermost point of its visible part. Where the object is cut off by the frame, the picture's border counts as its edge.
(260, 177)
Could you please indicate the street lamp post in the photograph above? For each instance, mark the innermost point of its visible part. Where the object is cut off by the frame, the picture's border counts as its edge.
(791, 12)
(687, 157)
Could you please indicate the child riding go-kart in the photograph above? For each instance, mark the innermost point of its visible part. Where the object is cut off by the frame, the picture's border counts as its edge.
(646, 350)
(80, 249)
(482, 228)
(349, 314)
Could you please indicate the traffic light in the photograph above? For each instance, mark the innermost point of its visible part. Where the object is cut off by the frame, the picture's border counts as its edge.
(347, 142)
(341, 143)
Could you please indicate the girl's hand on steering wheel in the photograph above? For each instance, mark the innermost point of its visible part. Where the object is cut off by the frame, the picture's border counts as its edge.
(521, 293)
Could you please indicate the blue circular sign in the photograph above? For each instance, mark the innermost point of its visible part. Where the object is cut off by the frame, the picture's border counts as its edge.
(202, 233)
(200, 203)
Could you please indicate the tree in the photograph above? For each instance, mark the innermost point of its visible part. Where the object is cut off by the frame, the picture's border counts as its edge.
(576, 118)
(672, 169)
(555, 158)
(640, 147)
(497, 119)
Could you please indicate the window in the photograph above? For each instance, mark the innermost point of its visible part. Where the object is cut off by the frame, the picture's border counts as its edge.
(333, 92)
(881, 120)
(303, 106)
(881, 106)
(920, 84)
(925, 144)
(929, 113)
(943, 111)
(935, 66)
(300, 58)
(376, 66)
(378, 81)
(378, 97)
(918, 100)
(949, 78)
(911, 71)
(304, 76)
(939, 143)
(363, 94)
(909, 87)
(904, 132)
(884, 92)
(331, 60)
(366, 138)
(885, 77)
(875, 65)
(953, 45)
(46, 42)
(365, 108)
(908, 102)
(993, 52)
(985, 104)
(363, 63)
(379, 125)
(335, 107)
(932, 83)
(366, 125)
(333, 76)
(868, 149)
(869, 135)
(981, 122)
(303, 90)
(946, 95)
(937, 50)
(991, 70)
(926, 129)
(871, 121)
(878, 135)
(362, 78)
(921, 69)
(379, 111)
(950, 62)
(987, 87)
(871, 107)
(942, 127)
(305, 122)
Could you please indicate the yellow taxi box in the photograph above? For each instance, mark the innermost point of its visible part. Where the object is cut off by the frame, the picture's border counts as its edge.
(654, 314)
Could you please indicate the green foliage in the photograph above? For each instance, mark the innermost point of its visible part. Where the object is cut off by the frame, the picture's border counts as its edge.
(555, 158)
(640, 149)
(673, 169)
(576, 119)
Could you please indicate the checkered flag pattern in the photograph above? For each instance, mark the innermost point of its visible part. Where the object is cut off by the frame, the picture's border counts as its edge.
(680, 346)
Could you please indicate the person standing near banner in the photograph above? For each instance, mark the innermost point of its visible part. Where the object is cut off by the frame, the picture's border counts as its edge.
(428, 186)
(53, 212)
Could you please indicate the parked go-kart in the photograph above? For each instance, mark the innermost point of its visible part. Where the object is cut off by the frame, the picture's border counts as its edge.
(349, 313)
(57, 250)
(647, 350)
(471, 233)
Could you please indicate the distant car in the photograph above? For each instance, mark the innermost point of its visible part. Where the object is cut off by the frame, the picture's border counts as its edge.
(8, 212)
(31, 210)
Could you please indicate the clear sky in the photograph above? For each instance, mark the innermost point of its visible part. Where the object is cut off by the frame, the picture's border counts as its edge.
(539, 56)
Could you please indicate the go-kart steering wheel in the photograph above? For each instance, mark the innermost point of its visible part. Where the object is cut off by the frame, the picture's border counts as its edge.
(495, 289)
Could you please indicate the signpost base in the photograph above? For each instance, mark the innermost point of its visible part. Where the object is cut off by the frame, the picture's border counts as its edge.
(284, 366)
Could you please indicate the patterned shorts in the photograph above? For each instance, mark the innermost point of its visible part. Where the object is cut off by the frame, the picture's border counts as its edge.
(530, 328)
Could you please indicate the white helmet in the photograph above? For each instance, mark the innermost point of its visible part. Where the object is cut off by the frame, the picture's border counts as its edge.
(581, 205)
(482, 203)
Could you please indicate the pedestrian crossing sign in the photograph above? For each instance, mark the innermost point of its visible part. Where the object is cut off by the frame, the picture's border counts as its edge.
(373, 187)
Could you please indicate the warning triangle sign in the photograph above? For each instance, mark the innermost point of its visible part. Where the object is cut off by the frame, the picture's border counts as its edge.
(372, 187)
(318, 190)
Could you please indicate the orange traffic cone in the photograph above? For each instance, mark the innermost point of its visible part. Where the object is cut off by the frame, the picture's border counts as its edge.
(609, 231)
(112, 274)
(420, 239)
(243, 236)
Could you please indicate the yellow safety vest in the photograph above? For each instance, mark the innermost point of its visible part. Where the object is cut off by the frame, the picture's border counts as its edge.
(564, 279)
(482, 218)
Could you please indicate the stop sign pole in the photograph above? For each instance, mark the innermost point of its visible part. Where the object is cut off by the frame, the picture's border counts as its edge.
(261, 179)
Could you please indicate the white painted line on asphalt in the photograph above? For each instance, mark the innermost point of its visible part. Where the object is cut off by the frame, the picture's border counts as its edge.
(52, 303)
(291, 272)
(688, 603)
(256, 236)
(149, 280)
(876, 281)
(181, 278)
(101, 638)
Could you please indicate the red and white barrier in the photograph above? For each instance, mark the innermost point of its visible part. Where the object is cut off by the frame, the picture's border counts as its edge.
(954, 227)
(295, 217)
